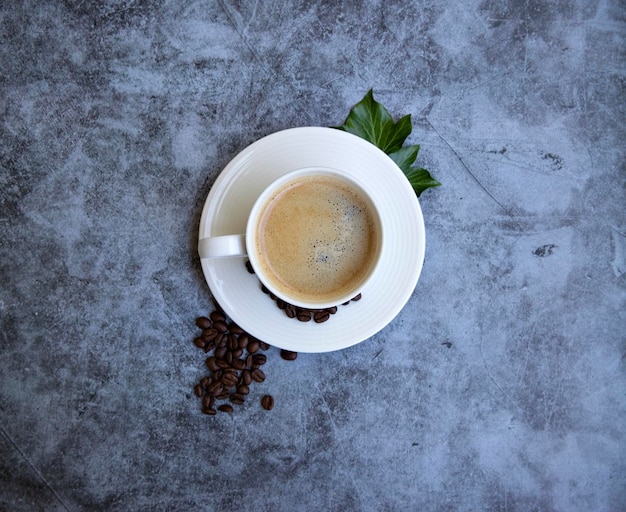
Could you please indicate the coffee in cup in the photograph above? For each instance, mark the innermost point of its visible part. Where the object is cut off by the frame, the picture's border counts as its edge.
(313, 238)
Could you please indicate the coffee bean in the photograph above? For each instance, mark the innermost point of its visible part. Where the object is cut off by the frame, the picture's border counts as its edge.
(304, 315)
(281, 303)
(229, 380)
(221, 364)
(217, 316)
(259, 359)
(198, 390)
(257, 375)
(253, 347)
(290, 311)
(239, 364)
(223, 395)
(205, 381)
(232, 342)
(220, 340)
(246, 377)
(263, 345)
(208, 401)
(209, 334)
(220, 326)
(249, 361)
(211, 363)
(243, 340)
(210, 412)
(238, 352)
(237, 398)
(321, 316)
(332, 310)
(235, 329)
(208, 346)
(228, 357)
(356, 298)
(199, 342)
(203, 322)
(288, 355)
(225, 408)
(220, 352)
(264, 289)
(267, 402)
(215, 388)
(249, 267)
(243, 389)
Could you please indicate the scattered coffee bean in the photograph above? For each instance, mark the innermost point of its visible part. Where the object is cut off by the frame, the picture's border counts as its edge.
(356, 298)
(246, 377)
(288, 355)
(225, 408)
(235, 329)
(237, 398)
(243, 389)
(267, 402)
(199, 342)
(253, 347)
(259, 359)
(198, 391)
(257, 375)
(249, 267)
(217, 316)
(203, 322)
(321, 316)
(243, 340)
(303, 315)
(209, 334)
(220, 326)
(263, 345)
(210, 412)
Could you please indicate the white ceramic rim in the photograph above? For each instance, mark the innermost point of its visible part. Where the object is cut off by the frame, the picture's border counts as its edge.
(286, 179)
(226, 211)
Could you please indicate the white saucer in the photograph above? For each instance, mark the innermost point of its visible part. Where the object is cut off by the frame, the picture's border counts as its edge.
(231, 198)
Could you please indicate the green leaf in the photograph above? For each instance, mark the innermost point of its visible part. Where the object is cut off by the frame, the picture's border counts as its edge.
(405, 157)
(371, 121)
(420, 179)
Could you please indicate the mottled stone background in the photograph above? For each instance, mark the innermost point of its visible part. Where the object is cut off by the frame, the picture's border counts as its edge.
(499, 387)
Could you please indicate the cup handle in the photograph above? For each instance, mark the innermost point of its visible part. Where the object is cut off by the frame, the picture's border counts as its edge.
(222, 246)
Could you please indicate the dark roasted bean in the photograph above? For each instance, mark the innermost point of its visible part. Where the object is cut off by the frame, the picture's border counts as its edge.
(210, 412)
(264, 289)
(321, 316)
(243, 389)
(281, 303)
(246, 377)
(239, 364)
(249, 267)
(263, 345)
(259, 359)
(209, 334)
(199, 342)
(232, 342)
(223, 395)
(249, 361)
(303, 315)
(243, 340)
(220, 340)
(288, 355)
(238, 352)
(222, 363)
(203, 322)
(217, 316)
(290, 311)
(208, 401)
(356, 298)
(198, 390)
(253, 347)
(332, 310)
(257, 375)
(211, 363)
(235, 329)
(225, 408)
(205, 381)
(345, 303)
(220, 326)
(229, 380)
(220, 352)
(237, 398)
(267, 402)
(215, 388)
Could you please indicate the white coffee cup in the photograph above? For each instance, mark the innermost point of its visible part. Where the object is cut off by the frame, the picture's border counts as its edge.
(313, 237)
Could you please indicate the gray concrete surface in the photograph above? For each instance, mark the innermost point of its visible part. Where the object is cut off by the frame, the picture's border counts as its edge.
(499, 387)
